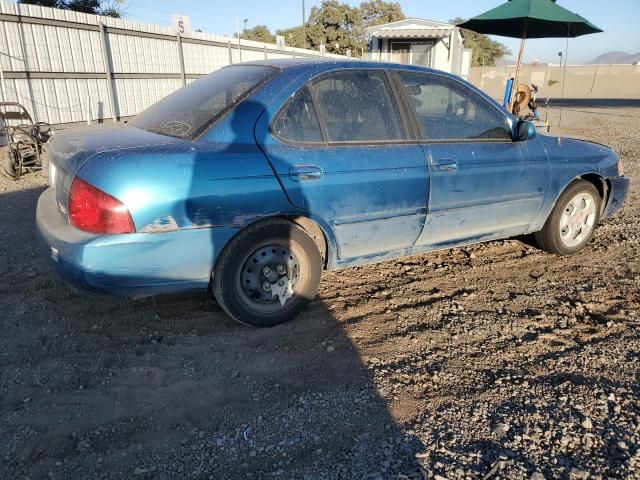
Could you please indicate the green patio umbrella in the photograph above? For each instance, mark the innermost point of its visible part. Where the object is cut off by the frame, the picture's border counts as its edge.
(530, 19)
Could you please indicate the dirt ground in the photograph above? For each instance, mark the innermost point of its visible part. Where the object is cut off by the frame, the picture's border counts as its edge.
(493, 361)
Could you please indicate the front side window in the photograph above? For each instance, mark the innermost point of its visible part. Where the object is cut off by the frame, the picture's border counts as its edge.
(358, 106)
(188, 112)
(449, 111)
(298, 120)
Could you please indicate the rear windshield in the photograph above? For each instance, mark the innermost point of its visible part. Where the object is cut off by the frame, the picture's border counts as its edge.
(189, 111)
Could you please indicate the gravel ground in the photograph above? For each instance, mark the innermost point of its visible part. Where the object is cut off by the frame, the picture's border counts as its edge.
(493, 361)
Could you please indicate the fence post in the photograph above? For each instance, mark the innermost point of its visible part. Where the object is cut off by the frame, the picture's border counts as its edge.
(107, 68)
(230, 52)
(89, 111)
(183, 75)
(25, 59)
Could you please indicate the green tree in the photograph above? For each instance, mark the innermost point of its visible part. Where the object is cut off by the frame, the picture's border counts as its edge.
(337, 25)
(295, 37)
(341, 27)
(259, 33)
(377, 12)
(485, 51)
(109, 8)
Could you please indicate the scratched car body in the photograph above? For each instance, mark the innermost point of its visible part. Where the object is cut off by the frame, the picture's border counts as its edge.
(252, 180)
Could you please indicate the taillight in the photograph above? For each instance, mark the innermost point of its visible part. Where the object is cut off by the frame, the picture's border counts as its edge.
(94, 211)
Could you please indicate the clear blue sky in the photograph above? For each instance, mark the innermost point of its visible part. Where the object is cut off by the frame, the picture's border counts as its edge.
(618, 18)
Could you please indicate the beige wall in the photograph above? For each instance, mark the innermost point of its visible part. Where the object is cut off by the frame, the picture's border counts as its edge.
(441, 59)
(586, 81)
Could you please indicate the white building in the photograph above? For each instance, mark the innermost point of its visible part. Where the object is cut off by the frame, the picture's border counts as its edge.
(417, 41)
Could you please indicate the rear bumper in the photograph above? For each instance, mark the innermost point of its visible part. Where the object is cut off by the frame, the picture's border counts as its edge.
(617, 195)
(136, 264)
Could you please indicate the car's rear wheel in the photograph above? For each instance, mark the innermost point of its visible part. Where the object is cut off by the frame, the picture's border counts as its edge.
(572, 221)
(268, 273)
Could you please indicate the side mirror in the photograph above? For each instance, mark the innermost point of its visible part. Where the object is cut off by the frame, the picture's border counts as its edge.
(525, 131)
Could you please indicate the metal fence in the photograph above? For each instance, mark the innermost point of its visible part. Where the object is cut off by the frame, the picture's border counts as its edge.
(582, 81)
(67, 67)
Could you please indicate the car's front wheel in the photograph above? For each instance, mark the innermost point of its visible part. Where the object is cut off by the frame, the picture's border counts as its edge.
(572, 221)
(267, 273)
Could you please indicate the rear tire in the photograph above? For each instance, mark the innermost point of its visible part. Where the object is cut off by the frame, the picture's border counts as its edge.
(10, 167)
(262, 263)
(572, 221)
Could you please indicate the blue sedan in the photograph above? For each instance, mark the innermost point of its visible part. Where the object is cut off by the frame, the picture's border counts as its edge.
(250, 181)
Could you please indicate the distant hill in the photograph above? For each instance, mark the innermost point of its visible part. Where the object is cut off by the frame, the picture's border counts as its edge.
(616, 57)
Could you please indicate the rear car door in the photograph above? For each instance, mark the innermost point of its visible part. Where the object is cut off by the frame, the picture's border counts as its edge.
(339, 147)
(483, 182)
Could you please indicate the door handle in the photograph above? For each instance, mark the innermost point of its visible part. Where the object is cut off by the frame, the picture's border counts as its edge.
(445, 165)
(305, 173)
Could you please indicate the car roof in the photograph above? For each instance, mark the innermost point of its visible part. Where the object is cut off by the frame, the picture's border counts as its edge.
(333, 63)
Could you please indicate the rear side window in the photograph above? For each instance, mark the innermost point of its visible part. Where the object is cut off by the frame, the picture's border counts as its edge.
(189, 111)
(358, 106)
(298, 120)
(450, 111)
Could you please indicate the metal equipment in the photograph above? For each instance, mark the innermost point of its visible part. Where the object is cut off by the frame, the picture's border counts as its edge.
(23, 140)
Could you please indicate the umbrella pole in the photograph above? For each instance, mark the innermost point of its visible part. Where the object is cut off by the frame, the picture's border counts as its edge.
(514, 90)
(564, 74)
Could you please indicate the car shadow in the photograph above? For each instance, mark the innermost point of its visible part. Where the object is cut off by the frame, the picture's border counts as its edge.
(170, 387)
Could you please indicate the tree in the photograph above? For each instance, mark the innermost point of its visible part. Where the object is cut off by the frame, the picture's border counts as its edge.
(377, 12)
(109, 8)
(485, 50)
(295, 37)
(259, 33)
(337, 25)
(341, 27)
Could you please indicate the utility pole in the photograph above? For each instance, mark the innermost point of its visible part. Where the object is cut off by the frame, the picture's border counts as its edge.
(304, 27)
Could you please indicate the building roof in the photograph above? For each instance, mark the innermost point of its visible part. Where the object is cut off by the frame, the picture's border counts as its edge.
(412, 28)
(413, 33)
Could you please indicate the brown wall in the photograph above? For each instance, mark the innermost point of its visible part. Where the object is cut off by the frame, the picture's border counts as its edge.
(584, 81)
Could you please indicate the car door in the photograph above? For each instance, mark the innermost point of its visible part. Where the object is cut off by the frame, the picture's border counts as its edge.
(483, 183)
(339, 148)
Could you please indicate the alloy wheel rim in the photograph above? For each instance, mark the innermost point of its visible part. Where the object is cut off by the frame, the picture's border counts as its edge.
(578, 219)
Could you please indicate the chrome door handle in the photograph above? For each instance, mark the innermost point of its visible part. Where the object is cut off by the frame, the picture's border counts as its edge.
(445, 165)
(305, 173)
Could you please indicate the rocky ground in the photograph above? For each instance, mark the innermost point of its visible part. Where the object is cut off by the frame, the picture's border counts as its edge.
(493, 361)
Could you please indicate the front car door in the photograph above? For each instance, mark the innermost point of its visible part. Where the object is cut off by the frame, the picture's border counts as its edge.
(483, 183)
(339, 147)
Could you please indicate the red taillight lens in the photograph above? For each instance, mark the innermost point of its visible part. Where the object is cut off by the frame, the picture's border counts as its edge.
(94, 211)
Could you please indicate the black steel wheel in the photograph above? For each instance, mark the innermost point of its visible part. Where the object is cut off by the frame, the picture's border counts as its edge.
(268, 273)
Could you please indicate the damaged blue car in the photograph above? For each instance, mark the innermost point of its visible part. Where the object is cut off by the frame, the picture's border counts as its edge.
(252, 180)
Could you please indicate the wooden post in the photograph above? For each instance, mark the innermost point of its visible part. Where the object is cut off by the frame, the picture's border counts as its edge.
(108, 72)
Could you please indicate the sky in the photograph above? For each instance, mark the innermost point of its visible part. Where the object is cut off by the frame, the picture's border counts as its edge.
(618, 18)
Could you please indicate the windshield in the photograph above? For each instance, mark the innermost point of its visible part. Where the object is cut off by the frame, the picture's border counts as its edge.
(189, 111)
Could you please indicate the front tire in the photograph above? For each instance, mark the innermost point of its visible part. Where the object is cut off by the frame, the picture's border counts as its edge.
(267, 273)
(572, 221)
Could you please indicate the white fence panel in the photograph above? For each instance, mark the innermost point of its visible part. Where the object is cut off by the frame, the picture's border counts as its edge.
(68, 67)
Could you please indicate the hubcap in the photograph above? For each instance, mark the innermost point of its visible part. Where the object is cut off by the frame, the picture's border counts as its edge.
(578, 219)
(269, 276)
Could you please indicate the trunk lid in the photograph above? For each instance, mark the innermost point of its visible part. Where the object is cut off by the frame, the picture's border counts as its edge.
(68, 150)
